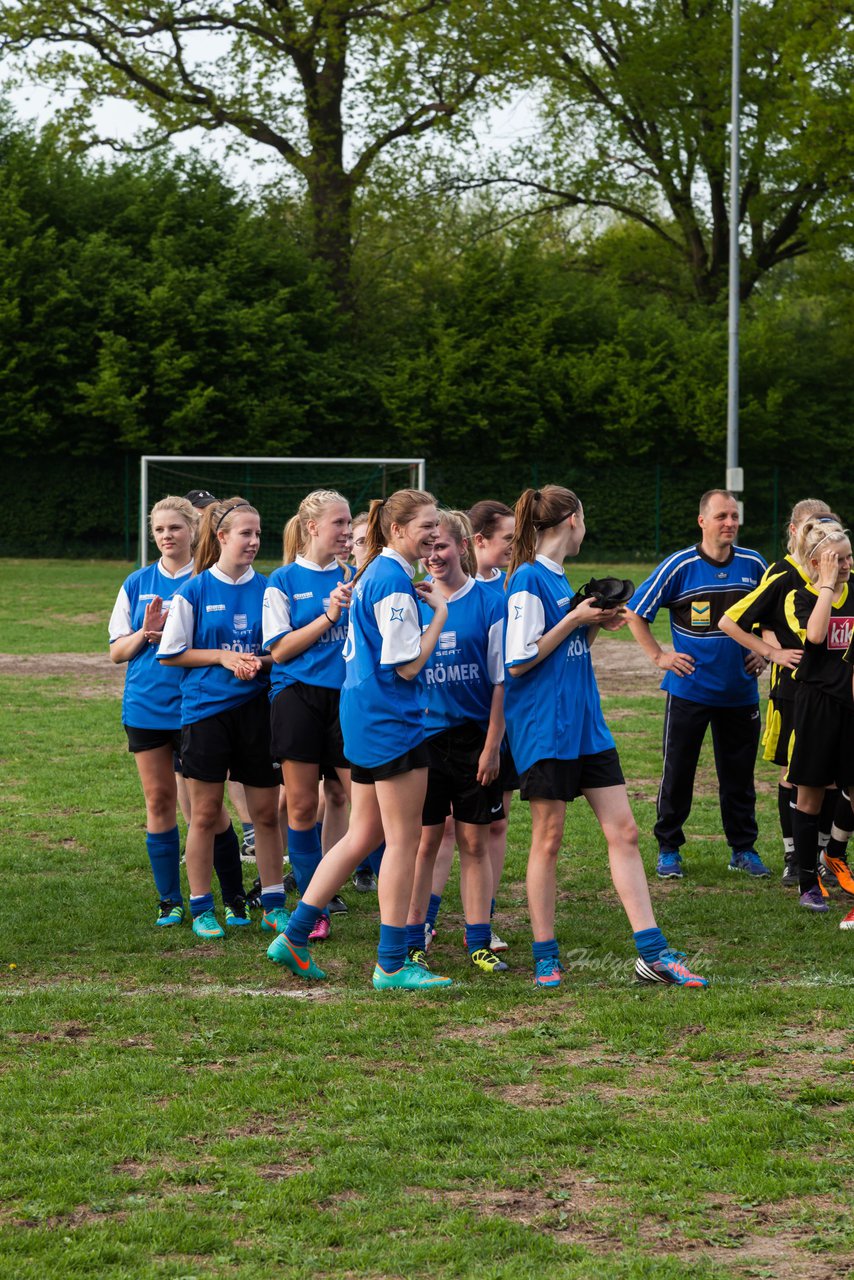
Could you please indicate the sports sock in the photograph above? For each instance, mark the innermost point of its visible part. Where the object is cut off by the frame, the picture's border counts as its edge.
(478, 936)
(650, 943)
(433, 909)
(365, 866)
(391, 952)
(841, 828)
(301, 923)
(375, 859)
(318, 826)
(272, 896)
(200, 904)
(547, 950)
(492, 908)
(825, 817)
(248, 832)
(805, 832)
(785, 796)
(415, 937)
(164, 854)
(305, 853)
(227, 864)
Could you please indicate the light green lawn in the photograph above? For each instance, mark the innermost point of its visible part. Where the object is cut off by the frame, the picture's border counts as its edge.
(174, 1109)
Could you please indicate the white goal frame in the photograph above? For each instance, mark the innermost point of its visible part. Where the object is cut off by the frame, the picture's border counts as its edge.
(417, 470)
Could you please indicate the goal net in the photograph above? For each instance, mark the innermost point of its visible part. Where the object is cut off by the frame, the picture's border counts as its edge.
(275, 486)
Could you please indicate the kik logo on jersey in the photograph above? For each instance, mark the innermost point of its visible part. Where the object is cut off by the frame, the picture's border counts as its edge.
(839, 633)
(701, 613)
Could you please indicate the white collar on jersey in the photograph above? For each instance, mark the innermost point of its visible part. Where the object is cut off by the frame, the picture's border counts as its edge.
(395, 555)
(312, 564)
(181, 573)
(496, 573)
(551, 564)
(223, 577)
(463, 591)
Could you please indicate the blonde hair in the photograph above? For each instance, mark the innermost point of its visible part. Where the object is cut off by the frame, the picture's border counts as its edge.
(184, 509)
(537, 510)
(295, 535)
(217, 517)
(812, 535)
(292, 540)
(800, 512)
(400, 508)
(459, 527)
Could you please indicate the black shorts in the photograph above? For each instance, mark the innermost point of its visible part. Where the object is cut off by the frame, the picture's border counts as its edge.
(304, 725)
(507, 776)
(233, 743)
(823, 741)
(567, 779)
(779, 725)
(149, 739)
(452, 785)
(416, 758)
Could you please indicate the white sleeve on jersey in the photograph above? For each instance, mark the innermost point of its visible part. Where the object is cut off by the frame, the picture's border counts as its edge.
(277, 616)
(121, 623)
(179, 629)
(526, 622)
(400, 628)
(495, 652)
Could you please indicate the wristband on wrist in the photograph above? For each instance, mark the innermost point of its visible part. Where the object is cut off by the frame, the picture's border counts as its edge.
(826, 587)
(331, 621)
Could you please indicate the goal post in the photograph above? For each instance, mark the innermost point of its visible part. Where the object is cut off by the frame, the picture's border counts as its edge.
(274, 485)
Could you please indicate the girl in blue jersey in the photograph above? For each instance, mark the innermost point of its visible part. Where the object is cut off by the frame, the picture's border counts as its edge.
(151, 706)
(305, 626)
(464, 681)
(214, 632)
(382, 718)
(560, 741)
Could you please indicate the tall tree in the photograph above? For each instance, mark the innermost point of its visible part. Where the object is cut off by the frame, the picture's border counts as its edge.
(636, 105)
(328, 85)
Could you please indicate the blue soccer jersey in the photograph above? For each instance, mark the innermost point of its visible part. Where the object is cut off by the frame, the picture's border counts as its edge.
(296, 595)
(152, 696)
(698, 591)
(495, 580)
(213, 612)
(382, 715)
(553, 711)
(468, 661)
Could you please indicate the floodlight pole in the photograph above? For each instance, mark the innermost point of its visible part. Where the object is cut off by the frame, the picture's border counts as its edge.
(734, 473)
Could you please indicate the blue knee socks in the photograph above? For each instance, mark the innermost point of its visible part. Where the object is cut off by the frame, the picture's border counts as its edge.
(305, 853)
(650, 944)
(375, 859)
(433, 909)
(478, 936)
(391, 952)
(301, 923)
(164, 853)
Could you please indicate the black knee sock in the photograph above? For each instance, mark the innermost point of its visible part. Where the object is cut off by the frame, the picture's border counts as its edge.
(805, 832)
(825, 817)
(227, 865)
(785, 798)
(842, 827)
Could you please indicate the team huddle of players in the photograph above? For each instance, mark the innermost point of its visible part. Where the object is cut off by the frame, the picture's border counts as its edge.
(426, 704)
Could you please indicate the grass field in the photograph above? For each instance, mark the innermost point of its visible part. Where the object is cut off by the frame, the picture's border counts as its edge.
(171, 1109)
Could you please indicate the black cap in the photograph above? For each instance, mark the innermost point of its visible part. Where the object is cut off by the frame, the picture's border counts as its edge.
(200, 498)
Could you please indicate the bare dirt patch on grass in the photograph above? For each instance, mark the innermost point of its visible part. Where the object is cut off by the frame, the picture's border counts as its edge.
(623, 668)
(88, 675)
(60, 1033)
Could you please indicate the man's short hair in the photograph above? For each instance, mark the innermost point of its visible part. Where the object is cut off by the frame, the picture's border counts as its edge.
(713, 493)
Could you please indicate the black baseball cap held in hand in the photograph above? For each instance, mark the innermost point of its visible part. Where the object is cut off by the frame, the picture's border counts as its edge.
(604, 593)
(200, 498)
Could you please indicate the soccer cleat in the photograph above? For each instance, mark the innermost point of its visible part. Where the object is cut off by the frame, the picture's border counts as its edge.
(790, 872)
(669, 969)
(813, 899)
(417, 956)
(298, 959)
(669, 865)
(429, 935)
(337, 906)
(839, 871)
(253, 897)
(364, 881)
(847, 922)
(275, 920)
(290, 883)
(321, 930)
(547, 972)
(169, 914)
(412, 977)
(498, 944)
(748, 860)
(236, 914)
(488, 961)
(207, 927)
(247, 851)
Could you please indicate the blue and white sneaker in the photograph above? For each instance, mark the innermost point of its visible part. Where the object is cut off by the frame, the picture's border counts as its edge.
(748, 860)
(669, 865)
(669, 969)
(547, 972)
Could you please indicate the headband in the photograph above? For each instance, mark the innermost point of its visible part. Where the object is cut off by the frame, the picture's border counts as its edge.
(228, 512)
